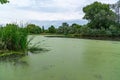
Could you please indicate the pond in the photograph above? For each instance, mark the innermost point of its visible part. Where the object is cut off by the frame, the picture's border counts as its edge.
(67, 59)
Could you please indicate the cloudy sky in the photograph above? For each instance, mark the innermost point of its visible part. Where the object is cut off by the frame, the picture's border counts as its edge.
(44, 10)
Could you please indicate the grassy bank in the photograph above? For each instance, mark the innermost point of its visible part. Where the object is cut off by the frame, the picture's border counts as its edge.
(13, 37)
(13, 41)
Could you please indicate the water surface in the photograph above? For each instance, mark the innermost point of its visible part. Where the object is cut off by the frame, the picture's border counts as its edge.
(67, 59)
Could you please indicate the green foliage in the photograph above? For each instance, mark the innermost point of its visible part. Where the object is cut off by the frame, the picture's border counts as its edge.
(74, 28)
(85, 30)
(43, 29)
(66, 29)
(116, 8)
(99, 15)
(113, 31)
(60, 30)
(12, 37)
(63, 29)
(52, 29)
(4, 1)
(33, 29)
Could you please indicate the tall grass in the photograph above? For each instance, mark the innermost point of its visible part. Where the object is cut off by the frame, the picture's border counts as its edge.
(13, 38)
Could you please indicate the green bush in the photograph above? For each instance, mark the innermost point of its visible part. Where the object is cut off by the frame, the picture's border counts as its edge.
(114, 30)
(33, 29)
(85, 31)
(12, 37)
(51, 29)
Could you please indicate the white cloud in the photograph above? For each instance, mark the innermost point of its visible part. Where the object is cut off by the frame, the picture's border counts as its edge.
(21, 3)
(26, 10)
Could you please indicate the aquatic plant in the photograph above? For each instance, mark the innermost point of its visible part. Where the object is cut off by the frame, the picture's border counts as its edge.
(13, 37)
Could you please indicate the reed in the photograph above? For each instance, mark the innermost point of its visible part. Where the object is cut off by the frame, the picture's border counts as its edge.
(13, 38)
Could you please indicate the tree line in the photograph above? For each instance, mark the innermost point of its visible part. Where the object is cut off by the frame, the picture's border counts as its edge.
(102, 21)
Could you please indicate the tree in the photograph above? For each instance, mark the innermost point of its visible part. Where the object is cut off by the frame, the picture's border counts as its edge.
(74, 28)
(116, 8)
(34, 29)
(52, 29)
(99, 15)
(65, 27)
(43, 29)
(60, 30)
(4, 1)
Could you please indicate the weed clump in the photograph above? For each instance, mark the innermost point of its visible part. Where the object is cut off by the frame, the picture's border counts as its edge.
(13, 38)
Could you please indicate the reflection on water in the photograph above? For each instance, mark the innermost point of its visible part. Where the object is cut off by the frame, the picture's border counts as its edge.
(20, 63)
(47, 67)
(38, 51)
(14, 62)
(67, 59)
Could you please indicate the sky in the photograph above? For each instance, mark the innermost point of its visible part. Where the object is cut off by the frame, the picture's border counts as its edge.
(25, 11)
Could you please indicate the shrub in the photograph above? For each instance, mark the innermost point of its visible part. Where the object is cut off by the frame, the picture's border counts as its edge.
(114, 30)
(86, 31)
(33, 29)
(12, 37)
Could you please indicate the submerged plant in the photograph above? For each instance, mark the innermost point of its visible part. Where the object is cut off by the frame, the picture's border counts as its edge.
(35, 47)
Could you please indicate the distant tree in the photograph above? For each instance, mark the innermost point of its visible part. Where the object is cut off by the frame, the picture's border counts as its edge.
(60, 30)
(65, 27)
(74, 28)
(116, 8)
(52, 29)
(99, 15)
(43, 29)
(34, 29)
(4, 1)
